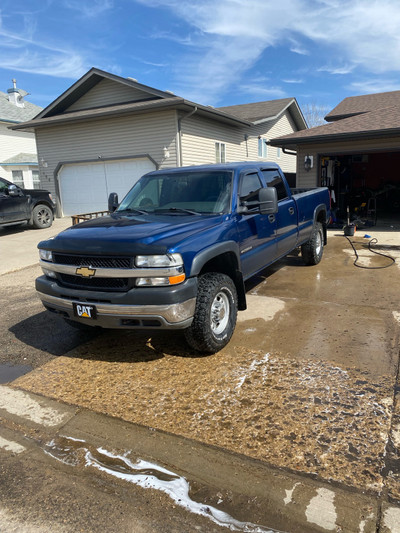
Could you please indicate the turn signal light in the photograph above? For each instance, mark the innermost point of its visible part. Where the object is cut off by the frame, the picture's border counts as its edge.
(174, 280)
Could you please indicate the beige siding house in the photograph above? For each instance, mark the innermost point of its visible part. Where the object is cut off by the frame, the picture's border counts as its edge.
(105, 131)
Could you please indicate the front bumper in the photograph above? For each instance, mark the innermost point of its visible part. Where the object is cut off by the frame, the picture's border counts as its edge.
(139, 308)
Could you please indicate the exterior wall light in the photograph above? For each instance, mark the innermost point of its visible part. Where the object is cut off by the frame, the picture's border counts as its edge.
(308, 163)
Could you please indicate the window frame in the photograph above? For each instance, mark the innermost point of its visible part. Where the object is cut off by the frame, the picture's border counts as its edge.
(262, 148)
(220, 152)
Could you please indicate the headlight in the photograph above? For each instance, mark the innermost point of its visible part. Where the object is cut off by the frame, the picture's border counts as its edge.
(46, 255)
(154, 261)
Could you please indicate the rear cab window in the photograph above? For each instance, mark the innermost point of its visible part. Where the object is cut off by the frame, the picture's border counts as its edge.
(273, 178)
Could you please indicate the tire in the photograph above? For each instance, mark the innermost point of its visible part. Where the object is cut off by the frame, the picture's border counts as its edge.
(312, 250)
(42, 216)
(215, 314)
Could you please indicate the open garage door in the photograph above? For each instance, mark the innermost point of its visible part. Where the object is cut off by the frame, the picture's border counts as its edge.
(366, 183)
(84, 187)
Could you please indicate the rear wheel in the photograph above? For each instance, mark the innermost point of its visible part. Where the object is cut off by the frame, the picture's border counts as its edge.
(312, 250)
(42, 216)
(215, 315)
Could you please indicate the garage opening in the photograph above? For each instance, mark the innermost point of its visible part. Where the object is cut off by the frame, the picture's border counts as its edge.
(367, 183)
(85, 187)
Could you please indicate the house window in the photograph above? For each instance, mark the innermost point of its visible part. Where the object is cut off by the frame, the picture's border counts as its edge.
(220, 152)
(18, 178)
(262, 148)
(278, 152)
(35, 179)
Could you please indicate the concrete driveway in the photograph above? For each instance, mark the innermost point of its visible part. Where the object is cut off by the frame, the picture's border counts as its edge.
(18, 244)
(308, 386)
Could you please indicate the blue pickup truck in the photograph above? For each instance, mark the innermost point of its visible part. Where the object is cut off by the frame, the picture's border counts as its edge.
(175, 253)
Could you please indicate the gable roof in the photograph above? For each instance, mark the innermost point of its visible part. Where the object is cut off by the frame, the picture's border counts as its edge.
(11, 113)
(354, 105)
(58, 111)
(259, 112)
(377, 123)
(62, 110)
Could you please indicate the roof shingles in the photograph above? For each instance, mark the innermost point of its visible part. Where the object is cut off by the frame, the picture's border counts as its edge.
(11, 113)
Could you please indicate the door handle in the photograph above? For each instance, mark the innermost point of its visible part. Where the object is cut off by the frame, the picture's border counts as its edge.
(271, 218)
(291, 210)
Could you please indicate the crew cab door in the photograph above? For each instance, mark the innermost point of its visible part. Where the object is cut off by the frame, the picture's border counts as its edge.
(286, 218)
(257, 233)
(12, 208)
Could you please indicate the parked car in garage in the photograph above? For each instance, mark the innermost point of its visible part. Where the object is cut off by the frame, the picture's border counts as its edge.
(35, 206)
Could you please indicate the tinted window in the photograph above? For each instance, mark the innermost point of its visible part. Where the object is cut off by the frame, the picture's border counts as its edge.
(274, 179)
(249, 187)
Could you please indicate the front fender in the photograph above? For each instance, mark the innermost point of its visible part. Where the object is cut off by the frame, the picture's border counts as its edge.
(211, 252)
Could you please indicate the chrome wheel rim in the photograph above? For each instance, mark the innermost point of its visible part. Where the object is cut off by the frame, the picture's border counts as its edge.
(318, 243)
(220, 310)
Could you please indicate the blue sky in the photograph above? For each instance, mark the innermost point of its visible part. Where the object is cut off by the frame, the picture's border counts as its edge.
(214, 53)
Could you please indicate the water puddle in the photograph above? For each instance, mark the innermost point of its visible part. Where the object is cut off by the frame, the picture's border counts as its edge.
(9, 372)
(145, 474)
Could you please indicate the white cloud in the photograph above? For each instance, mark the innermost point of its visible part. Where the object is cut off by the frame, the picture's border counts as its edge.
(89, 8)
(374, 86)
(293, 81)
(340, 70)
(25, 52)
(233, 35)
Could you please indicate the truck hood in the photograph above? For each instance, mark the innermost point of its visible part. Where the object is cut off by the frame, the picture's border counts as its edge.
(130, 235)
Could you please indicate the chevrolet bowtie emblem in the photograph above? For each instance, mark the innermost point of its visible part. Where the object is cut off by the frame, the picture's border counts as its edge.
(85, 272)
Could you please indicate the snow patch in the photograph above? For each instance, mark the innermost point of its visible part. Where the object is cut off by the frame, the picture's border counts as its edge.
(322, 511)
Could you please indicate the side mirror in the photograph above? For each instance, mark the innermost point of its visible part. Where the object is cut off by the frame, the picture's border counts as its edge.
(13, 190)
(268, 198)
(112, 202)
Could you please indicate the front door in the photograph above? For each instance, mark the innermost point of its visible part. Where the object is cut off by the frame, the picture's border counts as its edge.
(257, 233)
(286, 218)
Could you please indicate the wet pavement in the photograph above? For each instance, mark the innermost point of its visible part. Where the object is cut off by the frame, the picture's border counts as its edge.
(309, 383)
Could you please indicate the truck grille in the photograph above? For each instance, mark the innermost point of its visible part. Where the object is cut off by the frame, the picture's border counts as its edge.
(93, 261)
(104, 284)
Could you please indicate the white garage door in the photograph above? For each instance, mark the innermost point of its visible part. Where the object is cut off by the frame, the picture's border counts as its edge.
(85, 187)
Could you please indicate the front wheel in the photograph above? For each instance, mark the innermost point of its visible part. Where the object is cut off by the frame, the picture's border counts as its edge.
(215, 314)
(313, 249)
(42, 216)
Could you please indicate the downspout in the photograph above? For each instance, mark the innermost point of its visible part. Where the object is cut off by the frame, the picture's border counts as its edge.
(180, 133)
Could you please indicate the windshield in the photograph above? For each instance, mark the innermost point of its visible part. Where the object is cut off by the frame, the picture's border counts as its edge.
(189, 192)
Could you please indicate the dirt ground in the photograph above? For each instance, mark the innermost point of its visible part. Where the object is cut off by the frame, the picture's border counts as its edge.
(308, 382)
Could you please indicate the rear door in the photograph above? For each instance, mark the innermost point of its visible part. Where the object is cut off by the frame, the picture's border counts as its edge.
(257, 233)
(286, 218)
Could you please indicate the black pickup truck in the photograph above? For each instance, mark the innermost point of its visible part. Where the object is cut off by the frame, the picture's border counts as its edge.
(17, 205)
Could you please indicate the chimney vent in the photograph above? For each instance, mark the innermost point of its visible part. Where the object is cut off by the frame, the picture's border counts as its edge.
(16, 96)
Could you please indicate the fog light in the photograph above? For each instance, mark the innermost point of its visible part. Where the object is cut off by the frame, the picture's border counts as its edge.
(49, 273)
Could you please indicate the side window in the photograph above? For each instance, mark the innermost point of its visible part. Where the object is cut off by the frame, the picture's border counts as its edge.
(249, 186)
(262, 147)
(274, 179)
(18, 178)
(220, 150)
(3, 187)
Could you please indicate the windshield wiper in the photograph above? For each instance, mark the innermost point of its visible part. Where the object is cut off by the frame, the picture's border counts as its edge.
(177, 210)
(134, 211)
